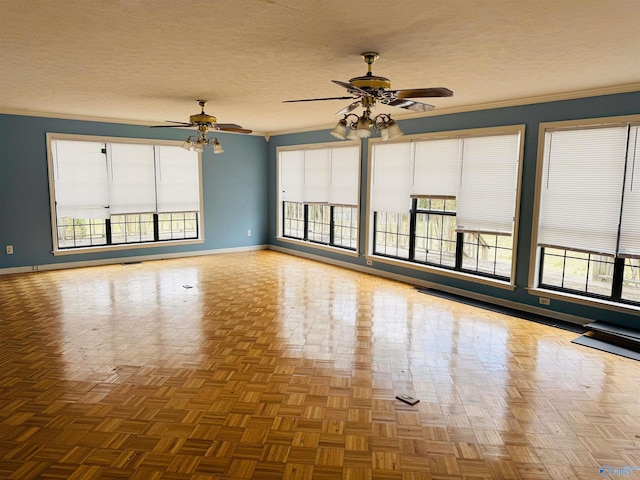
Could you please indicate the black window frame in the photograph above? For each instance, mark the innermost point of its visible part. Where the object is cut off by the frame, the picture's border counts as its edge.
(308, 235)
(109, 235)
(620, 263)
(459, 240)
(73, 243)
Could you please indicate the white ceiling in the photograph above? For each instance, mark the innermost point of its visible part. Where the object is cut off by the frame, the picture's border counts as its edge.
(146, 61)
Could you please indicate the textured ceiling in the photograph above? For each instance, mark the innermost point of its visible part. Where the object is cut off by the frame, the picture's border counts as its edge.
(149, 60)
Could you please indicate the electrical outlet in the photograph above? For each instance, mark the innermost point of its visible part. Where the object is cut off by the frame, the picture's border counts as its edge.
(248, 233)
(545, 301)
(369, 262)
(9, 249)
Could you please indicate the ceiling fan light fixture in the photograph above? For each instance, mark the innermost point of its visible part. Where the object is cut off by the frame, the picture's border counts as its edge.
(391, 131)
(188, 144)
(340, 130)
(199, 146)
(217, 146)
(363, 126)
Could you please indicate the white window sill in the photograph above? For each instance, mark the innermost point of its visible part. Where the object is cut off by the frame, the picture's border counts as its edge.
(587, 301)
(329, 248)
(443, 271)
(128, 246)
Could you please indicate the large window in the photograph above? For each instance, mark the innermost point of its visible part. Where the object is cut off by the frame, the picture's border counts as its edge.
(319, 189)
(588, 230)
(109, 193)
(448, 201)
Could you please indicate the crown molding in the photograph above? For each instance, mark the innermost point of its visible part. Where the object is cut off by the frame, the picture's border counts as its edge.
(593, 92)
(88, 118)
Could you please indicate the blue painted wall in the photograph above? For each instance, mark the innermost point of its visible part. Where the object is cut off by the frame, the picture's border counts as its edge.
(240, 188)
(531, 116)
(234, 188)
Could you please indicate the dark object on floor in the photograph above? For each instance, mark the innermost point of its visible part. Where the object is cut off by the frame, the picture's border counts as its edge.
(407, 399)
(612, 339)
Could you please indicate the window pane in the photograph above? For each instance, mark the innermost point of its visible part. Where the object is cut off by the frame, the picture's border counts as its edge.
(631, 284)
(578, 271)
(392, 234)
(319, 226)
(293, 221)
(345, 227)
(131, 228)
(80, 232)
(436, 238)
(178, 225)
(487, 253)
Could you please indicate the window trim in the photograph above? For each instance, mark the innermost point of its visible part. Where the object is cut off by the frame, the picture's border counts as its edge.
(279, 216)
(533, 286)
(50, 136)
(474, 132)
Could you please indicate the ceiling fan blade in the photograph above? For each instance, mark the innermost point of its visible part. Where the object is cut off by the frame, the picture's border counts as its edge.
(182, 124)
(352, 88)
(236, 129)
(423, 92)
(220, 126)
(410, 105)
(317, 99)
(349, 108)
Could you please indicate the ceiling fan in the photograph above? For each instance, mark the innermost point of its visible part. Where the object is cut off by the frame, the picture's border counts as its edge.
(204, 122)
(369, 89)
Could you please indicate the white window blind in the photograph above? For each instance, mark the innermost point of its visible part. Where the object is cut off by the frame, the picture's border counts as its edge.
(178, 180)
(436, 167)
(630, 226)
(317, 175)
(320, 175)
(488, 182)
(132, 183)
(391, 177)
(345, 176)
(581, 188)
(292, 176)
(80, 179)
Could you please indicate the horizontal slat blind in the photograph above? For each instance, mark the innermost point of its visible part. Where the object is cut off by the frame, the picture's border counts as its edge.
(80, 179)
(345, 175)
(317, 175)
(178, 175)
(630, 226)
(487, 192)
(436, 167)
(391, 177)
(581, 190)
(292, 176)
(320, 175)
(132, 182)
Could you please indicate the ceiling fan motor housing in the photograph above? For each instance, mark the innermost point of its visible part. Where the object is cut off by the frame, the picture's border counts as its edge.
(202, 118)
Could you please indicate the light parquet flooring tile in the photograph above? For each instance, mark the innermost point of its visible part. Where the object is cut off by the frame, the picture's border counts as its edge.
(276, 367)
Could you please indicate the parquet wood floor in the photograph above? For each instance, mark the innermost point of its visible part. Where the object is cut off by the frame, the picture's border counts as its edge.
(267, 366)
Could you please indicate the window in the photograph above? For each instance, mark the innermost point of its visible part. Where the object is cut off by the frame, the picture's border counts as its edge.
(448, 201)
(588, 228)
(110, 192)
(319, 189)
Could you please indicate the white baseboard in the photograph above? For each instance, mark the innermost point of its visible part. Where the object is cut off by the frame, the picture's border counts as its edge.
(136, 258)
(564, 317)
